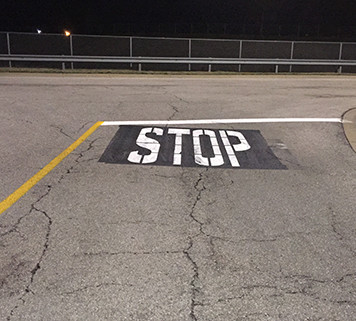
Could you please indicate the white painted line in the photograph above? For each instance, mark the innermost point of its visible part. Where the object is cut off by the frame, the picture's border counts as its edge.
(222, 121)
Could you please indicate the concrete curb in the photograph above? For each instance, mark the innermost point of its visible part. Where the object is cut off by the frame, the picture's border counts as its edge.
(349, 123)
(122, 72)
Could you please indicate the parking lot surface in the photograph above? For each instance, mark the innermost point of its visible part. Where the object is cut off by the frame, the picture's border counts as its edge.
(197, 198)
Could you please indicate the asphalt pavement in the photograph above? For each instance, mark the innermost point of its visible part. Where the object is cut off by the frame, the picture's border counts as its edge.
(164, 221)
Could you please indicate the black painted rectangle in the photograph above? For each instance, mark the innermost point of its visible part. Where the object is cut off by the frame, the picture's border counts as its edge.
(259, 156)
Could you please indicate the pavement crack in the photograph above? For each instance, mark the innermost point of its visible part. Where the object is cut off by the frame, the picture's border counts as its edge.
(90, 146)
(61, 130)
(175, 111)
(37, 266)
(45, 247)
(259, 286)
(89, 160)
(81, 127)
(194, 281)
(336, 230)
(200, 188)
(334, 223)
(338, 302)
(274, 239)
(181, 99)
(212, 248)
(231, 298)
(301, 277)
(255, 240)
(14, 309)
(349, 275)
(194, 284)
(78, 159)
(14, 228)
(18, 222)
(165, 176)
(35, 208)
(96, 286)
(107, 253)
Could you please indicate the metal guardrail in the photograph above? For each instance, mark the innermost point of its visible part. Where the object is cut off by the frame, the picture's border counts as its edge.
(26, 49)
(179, 60)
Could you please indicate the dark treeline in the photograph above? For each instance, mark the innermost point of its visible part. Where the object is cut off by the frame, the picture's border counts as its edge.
(166, 17)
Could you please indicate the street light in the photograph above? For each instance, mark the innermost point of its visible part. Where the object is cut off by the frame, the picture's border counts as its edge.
(67, 33)
(39, 31)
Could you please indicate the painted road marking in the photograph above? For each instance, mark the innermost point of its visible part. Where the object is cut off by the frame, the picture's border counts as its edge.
(190, 148)
(11, 199)
(222, 121)
(147, 143)
(178, 132)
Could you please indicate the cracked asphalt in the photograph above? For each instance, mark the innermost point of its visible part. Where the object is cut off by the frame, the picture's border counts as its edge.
(96, 241)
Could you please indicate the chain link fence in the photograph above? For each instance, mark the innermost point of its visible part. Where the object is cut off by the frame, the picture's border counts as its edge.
(86, 45)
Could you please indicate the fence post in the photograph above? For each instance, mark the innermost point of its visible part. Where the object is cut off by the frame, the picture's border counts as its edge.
(240, 54)
(291, 54)
(340, 57)
(8, 48)
(71, 50)
(190, 53)
(131, 51)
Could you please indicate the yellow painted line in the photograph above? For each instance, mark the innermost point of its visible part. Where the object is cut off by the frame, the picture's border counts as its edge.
(21, 191)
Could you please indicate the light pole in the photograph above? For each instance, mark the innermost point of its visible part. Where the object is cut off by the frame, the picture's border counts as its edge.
(67, 33)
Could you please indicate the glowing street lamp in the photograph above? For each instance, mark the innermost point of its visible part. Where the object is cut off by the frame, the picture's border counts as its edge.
(67, 33)
(39, 31)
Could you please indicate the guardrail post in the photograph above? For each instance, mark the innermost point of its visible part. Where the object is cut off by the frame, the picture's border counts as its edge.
(190, 53)
(130, 50)
(139, 67)
(340, 57)
(8, 47)
(291, 54)
(63, 66)
(240, 54)
(276, 69)
(71, 50)
(209, 69)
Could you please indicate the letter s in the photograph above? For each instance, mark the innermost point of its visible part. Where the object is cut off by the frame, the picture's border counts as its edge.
(148, 143)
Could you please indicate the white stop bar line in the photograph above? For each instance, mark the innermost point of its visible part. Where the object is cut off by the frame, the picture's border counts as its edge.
(224, 121)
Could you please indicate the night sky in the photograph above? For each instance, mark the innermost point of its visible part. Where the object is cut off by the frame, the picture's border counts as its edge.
(101, 16)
